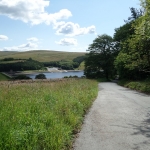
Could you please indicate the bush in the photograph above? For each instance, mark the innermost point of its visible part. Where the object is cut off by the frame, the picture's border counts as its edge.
(22, 77)
(40, 76)
(65, 76)
(75, 76)
(142, 86)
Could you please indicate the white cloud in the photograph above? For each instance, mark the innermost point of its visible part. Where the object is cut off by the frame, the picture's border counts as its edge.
(31, 11)
(32, 44)
(3, 37)
(33, 39)
(67, 42)
(72, 29)
(23, 47)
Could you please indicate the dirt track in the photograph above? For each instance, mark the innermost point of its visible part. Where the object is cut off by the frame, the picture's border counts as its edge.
(118, 120)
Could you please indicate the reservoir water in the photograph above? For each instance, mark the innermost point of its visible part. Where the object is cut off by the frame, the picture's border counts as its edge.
(57, 75)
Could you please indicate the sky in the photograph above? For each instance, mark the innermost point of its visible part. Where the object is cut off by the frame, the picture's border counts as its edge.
(61, 25)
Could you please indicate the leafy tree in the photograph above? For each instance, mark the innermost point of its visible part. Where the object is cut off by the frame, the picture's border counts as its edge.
(127, 30)
(79, 59)
(40, 76)
(100, 58)
(133, 60)
(135, 14)
(67, 65)
(123, 32)
(18, 66)
(139, 44)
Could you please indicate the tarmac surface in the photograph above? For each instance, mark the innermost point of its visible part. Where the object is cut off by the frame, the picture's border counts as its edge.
(118, 120)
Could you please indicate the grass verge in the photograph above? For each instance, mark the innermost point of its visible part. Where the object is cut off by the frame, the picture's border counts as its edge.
(3, 77)
(142, 86)
(43, 115)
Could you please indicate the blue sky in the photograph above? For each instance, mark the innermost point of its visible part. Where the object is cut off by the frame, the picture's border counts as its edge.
(62, 25)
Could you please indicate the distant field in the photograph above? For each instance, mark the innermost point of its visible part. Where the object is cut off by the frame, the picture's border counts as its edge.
(3, 77)
(41, 55)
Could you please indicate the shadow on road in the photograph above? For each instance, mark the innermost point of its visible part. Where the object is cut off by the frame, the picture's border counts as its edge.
(143, 129)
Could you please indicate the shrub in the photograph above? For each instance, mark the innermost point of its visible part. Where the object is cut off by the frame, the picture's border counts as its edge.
(40, 76)
(65, 76)
(22, 77)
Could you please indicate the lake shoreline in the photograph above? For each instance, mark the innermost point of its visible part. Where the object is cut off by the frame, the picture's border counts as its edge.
(49, 70)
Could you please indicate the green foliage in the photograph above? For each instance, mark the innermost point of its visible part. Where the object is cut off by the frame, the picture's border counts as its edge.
(40, 76)
(8, 59)
(67, 65)
(43, 116)
(18, 66)
(123, 82)
(79, 59)
(99, 60)
(102, 80)
(133, 61)
(140, 46)
(64, 60)
(123, 32)
(135, 14)
(71, 76)
(142, 86)
(22, 77)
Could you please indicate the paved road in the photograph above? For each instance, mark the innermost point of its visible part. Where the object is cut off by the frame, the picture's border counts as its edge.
(118, 120)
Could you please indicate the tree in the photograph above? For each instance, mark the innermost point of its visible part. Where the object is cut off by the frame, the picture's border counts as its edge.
(125, 31)
(138, 45)
(133, 61)
(100, 58)
(135, 14)
(142, 38)
(40, 76)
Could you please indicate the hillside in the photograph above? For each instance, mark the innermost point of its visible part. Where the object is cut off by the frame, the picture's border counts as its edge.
(41, 55)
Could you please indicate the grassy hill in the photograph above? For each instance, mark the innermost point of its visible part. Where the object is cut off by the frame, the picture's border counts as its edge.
(41, 55)
(81, 67)
(3, 77)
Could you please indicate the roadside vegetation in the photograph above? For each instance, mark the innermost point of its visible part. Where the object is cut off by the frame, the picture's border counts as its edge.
(43, 115)
(142, 86)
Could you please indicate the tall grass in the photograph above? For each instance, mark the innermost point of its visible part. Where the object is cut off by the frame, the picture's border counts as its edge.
(43, 116)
